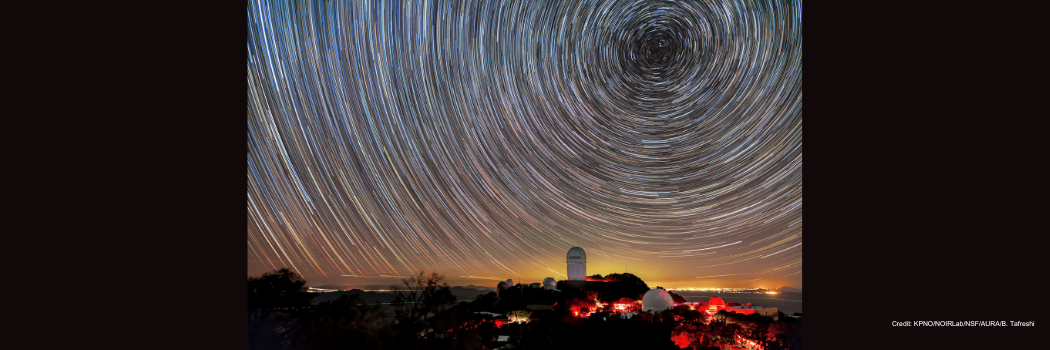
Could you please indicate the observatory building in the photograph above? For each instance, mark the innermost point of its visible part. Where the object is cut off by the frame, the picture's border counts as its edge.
(576, 260)
(764, 311)
(715, 304)
(500, 287)
(549, 283)
(656, 300)
(510, 283)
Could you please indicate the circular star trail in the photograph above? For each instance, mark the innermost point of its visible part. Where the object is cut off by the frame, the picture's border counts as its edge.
(483, 139)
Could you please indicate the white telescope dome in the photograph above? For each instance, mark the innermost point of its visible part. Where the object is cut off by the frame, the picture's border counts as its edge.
(657, 300)
(549, 283)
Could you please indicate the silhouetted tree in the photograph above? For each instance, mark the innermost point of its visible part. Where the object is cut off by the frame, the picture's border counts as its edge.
(753, 326)
(721, 315)
(485, 302)
(788, 334)
(345, 322)
(275, 301)
(627, 278)
(688, 314)
(281, 289)
(421, 297)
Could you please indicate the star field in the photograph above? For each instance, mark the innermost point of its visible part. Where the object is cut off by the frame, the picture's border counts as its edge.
(483, 139)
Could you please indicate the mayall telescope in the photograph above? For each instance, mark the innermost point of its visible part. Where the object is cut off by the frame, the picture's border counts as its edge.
(576, 260)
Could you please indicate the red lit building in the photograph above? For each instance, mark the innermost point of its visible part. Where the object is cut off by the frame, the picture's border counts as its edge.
(748, 309)
(712, 306)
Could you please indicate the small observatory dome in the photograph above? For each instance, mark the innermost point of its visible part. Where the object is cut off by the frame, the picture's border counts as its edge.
(510, 282)
(500, 287)
(716, 302)
(656, 300)
(549, 283)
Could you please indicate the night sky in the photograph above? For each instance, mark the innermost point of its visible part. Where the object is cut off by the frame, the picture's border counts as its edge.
(483, 139)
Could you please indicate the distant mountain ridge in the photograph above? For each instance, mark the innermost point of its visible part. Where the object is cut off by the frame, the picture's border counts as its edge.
(461, 293)
(388, 287)
(368, 297)
(790, 290)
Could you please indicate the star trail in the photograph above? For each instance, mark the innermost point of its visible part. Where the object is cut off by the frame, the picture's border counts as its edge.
(483, 139)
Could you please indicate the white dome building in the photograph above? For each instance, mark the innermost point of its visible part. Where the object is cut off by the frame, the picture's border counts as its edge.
(549, 283)
(576, 260)
(657, 300)
(510, 283)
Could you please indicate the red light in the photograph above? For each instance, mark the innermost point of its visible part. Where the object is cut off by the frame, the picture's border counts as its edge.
(682, 340)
